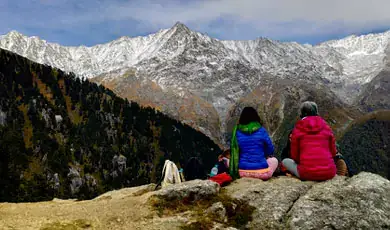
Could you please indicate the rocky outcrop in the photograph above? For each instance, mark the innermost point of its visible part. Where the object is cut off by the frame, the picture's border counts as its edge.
(272, 200)
(78, 182)
(360, 202)
(75, 180)
(54, 181)
(119, 165)
(3, 118)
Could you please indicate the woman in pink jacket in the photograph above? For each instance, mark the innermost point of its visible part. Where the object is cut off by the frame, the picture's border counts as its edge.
(313, 147)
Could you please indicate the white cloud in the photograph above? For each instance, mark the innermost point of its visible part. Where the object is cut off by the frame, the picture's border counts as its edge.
(270, 16)
(275, 18)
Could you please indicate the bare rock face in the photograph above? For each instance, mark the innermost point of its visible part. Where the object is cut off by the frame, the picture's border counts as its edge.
(75, 180)
(90, 182)
(362, 202)
(193, 190)
(54, 180)
(119, 165)
(3, 118)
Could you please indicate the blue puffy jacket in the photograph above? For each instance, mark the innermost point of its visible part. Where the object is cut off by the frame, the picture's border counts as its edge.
(254, 148)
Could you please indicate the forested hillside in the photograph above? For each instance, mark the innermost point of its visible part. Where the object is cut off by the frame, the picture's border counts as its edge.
(366, 143)
(65, 137)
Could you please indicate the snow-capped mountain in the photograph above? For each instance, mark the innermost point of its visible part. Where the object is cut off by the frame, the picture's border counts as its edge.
(184, 67)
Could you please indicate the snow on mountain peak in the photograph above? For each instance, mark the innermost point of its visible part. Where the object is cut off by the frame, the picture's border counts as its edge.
(368, 44)
(210, 74)
(184, 56)
(361, 58)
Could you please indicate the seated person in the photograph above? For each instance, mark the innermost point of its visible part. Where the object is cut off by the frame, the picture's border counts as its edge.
(343, 168)
(313, 147)
(251, 148)
(223, 164)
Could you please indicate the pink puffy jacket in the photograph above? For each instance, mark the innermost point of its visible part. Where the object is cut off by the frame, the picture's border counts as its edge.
(313, 147)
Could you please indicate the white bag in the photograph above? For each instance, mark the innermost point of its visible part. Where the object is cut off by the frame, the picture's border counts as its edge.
(170, 173)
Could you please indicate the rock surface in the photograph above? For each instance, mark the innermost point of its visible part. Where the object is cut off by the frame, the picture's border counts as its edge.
(360, 202)
(272, 199)
(217, 210)
(193, 190)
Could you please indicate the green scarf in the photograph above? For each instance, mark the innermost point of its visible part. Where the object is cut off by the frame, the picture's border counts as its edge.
(234, 149)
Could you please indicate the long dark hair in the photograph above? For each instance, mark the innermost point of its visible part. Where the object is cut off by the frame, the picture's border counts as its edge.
(248, 115)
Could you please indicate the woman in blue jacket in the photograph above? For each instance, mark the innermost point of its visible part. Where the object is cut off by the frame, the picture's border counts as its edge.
(251, 148)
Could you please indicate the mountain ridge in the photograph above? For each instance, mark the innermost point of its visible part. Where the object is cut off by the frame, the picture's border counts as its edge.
(190, 64)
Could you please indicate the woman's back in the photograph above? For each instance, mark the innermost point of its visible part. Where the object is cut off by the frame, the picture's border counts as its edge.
(313, 148)
(251, 148)
(254, 148)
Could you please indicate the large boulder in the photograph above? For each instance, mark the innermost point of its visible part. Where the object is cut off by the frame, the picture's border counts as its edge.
(272, 199)
(361, 202)
(191, 190)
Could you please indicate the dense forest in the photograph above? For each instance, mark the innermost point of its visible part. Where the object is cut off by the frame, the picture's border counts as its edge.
(366, 143)
(65, 137)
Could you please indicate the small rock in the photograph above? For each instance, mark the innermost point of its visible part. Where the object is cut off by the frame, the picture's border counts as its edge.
(218, 211)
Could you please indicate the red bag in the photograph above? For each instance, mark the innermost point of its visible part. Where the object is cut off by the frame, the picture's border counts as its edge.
(222, 179)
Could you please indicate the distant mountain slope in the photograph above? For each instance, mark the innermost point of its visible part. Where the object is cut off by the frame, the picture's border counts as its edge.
(366, 143)
(65, 137)
(187, 65)
(376, 94)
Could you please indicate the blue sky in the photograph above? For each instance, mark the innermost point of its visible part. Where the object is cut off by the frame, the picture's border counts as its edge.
(90, 22)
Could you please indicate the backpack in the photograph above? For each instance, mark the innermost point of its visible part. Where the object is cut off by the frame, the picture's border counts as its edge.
(194, 169)
(170, 175)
